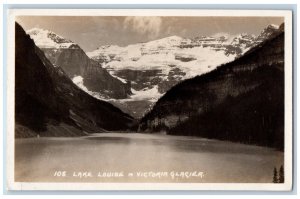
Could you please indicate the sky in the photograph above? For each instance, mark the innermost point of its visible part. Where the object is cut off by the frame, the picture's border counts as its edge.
(90, 32)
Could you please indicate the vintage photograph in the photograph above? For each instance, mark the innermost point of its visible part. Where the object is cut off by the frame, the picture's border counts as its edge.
(132, 97)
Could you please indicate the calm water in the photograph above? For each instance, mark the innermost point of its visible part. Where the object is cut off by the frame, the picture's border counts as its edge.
(130, 157)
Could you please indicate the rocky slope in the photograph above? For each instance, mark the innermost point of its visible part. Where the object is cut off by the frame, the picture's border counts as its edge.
(75, 63)
(48, 103)
(154, 67)
(241, 101)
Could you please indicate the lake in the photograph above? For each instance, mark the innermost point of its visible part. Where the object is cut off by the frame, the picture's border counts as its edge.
(133, 157)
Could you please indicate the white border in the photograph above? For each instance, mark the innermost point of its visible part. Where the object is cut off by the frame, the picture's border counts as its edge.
(147, 12)
(11, 185)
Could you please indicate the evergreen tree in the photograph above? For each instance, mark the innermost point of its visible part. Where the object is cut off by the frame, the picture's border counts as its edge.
(281, 175)
(275, 175)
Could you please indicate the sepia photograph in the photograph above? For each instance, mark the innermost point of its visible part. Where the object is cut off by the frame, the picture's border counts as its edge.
(150, 99)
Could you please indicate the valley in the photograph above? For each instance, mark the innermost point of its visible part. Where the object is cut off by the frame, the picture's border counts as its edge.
(143, 72)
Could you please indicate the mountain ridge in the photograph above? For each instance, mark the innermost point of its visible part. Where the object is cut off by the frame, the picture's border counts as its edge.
(143, 72)
(74, 61)
(155, 66)
(48, 103)
(245, 95)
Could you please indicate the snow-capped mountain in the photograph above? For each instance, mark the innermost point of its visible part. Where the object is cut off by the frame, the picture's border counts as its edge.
(48, 39)
(234, 98)
(154, 67)
(48, 103)
(77, 65)
(141, 73)
(267, 32)
(160, 64)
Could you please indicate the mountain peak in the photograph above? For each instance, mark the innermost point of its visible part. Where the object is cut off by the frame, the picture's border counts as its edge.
(171, 40)
(48, 39)
(273, 26)
(174, 37)
(269, 30)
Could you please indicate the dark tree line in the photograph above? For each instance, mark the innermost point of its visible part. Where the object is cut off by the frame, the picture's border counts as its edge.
(242, 101)
(278, 177)
(255, 117)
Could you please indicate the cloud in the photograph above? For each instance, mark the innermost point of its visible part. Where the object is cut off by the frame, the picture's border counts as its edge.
(148, 26)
